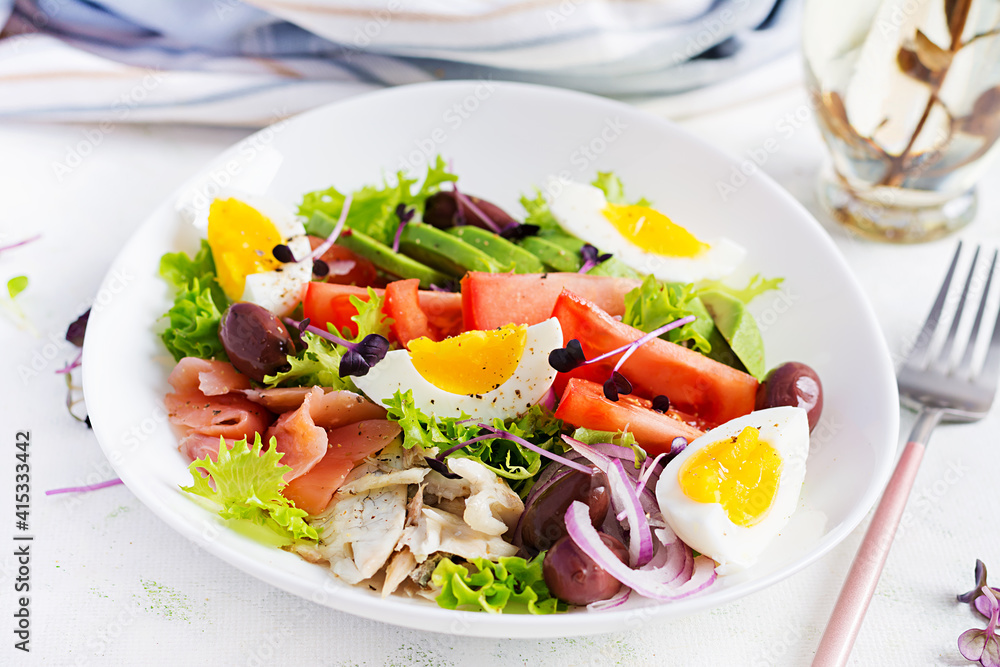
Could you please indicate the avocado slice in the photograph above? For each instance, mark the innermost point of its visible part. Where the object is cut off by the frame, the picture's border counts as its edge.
(554, 256)
(616, 268)
(499, 248)
(739, 329)
(445, 252)
(385, 259)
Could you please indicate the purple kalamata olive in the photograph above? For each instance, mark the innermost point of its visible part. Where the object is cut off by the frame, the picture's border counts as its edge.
(543, 524)
(444, 210)
(794, 384)
(255, 340)
(574, 577)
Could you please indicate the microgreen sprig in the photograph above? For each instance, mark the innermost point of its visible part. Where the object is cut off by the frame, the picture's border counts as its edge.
(565, 359)
(591, 257)
(405, 215)
(983, 646)
(360, 356)
(284, 254)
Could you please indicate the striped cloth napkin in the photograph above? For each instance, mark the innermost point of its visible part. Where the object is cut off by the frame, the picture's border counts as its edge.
(233, 62)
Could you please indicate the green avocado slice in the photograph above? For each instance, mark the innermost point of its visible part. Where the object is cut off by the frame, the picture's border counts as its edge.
(739, 329)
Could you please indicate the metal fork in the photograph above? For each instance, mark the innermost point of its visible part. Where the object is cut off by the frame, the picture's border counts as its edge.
(941, 391)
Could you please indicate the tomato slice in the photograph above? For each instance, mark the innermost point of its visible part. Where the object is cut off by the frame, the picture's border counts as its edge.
(703, 387)
(583, 404)
(328, 303)
(402, 304)
(490, 300)
(362, 273)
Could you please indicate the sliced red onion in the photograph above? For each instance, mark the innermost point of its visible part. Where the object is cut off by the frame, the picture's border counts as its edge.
(648, 583)
(600, 461)
(341, 267)
(548, 400)
(648, 473)
(640, 546)
(619, 598)
(332, 238)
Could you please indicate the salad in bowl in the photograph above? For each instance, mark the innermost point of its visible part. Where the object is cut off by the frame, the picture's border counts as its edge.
(521, 412)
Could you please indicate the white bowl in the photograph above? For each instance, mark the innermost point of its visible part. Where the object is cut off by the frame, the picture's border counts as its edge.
(504, 139)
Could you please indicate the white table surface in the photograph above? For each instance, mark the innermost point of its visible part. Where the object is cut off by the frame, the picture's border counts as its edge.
(111, 584)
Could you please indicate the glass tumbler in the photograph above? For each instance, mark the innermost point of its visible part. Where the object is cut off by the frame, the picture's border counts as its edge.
(907, 97)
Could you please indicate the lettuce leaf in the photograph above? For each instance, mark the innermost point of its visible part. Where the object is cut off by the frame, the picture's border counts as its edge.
(511, 584)
(517, 464)
(758, 285)
(655, 303)
(373, 208)
(537, 213)
(194, 318)
(248, 483)
(319, 362)
(614, 191)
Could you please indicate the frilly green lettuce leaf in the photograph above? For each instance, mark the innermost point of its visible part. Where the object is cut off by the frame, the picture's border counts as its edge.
(656, 303)
(248, 482)
(511, 584)
(758, 285)
(194, 318)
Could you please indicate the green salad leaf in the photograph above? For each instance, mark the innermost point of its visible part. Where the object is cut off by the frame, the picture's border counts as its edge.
(537, 213)
(16, 285)
(758, 285)
(193, 320)
(614, 191)
(371, 318)
(511, 584)
(655, 303)
(517, 464)
(373, 208)
(317, 365)
(248, 481)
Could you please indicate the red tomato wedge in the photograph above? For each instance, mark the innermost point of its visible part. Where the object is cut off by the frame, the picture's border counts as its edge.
(327, 303)
(409, 320)
(703, 387)
(583, 404)
(490, 300)
(348, 445)
(346, 267)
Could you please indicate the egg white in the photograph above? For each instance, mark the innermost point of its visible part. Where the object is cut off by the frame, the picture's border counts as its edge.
(528, 384)
(578, 208)
(706, 527)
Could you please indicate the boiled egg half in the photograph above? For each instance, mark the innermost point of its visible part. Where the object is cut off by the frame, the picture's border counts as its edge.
(484, 374)
(641, 236)
(242, 235)
(732, 490)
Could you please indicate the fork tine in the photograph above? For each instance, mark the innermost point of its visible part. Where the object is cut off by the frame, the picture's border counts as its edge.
(949, 342)
(918, 355)
(965, 365)
(991, 367)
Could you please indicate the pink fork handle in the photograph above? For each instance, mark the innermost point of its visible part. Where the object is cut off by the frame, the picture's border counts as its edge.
(845, 621)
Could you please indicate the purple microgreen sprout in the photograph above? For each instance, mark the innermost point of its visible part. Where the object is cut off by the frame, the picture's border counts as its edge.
(446, 286)
(471, 205)
(360, 356)
(332, 238)
(661, 404)
(519, 230)
(73, 365)
(983, 646)
(677, 445)
(405, 215)
(18, 244)
(565, 359)
(591, 257)
(976, 598)
(616, 384)
(84, 489)
(283, 254)
(320, 268)
(493, 433)
(78, 329)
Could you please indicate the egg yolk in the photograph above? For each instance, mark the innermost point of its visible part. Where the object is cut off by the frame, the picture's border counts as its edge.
(241, 239)
(741, 474)
(473, 362)
(653, 232)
